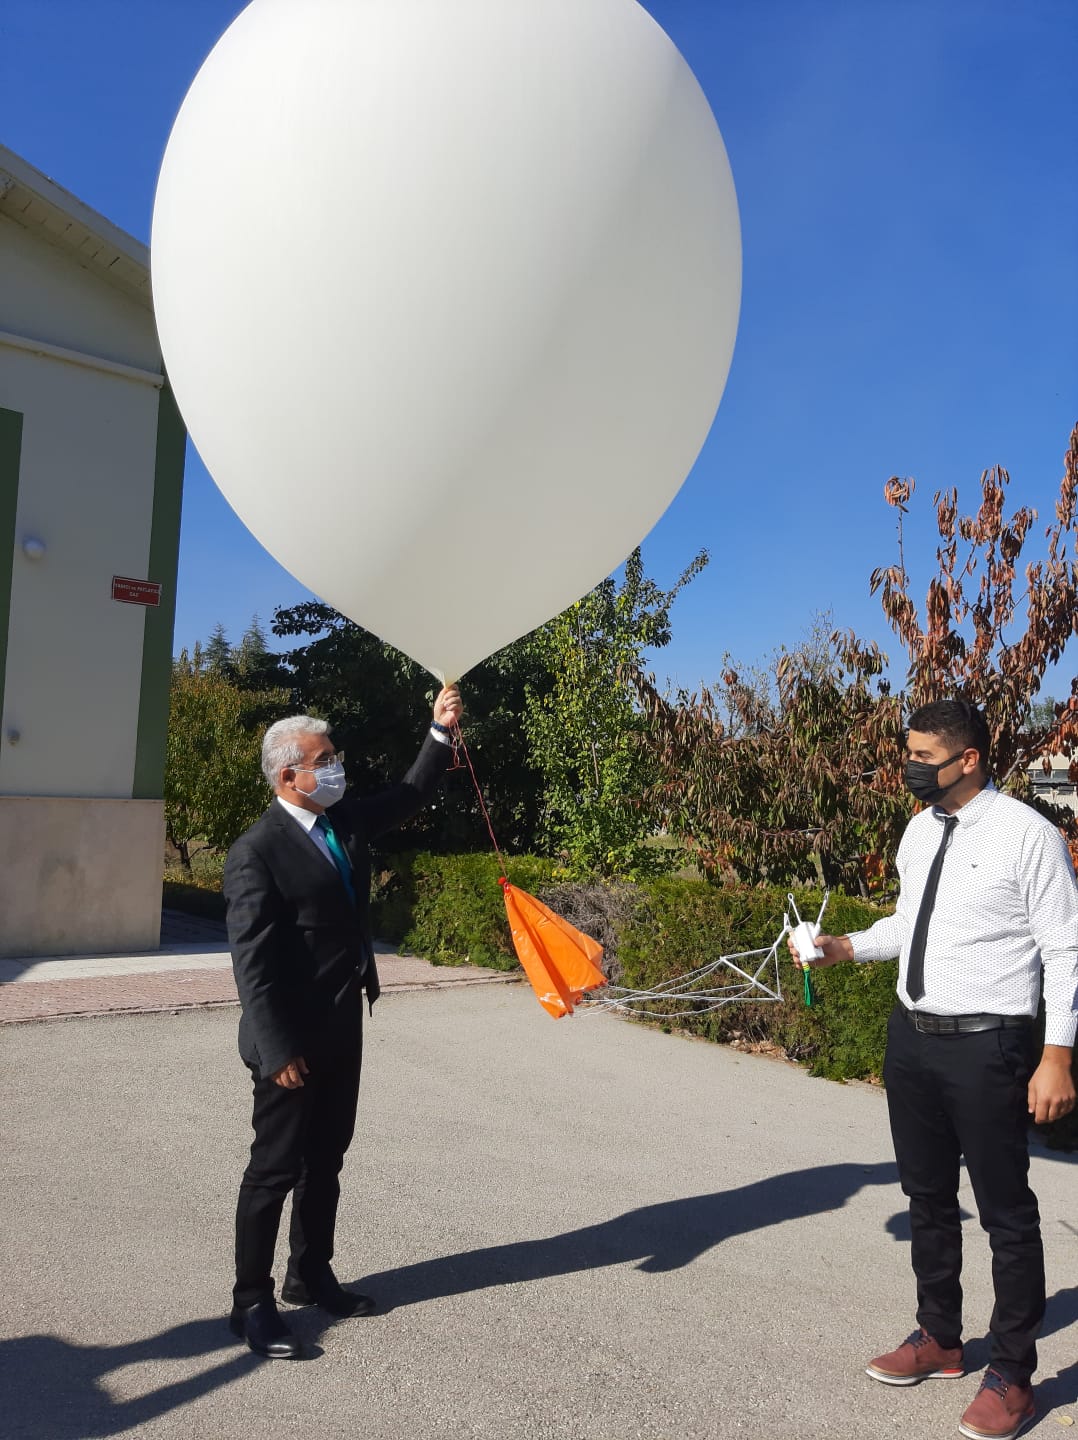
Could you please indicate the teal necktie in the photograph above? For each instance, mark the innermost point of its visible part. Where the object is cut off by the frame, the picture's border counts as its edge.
(340, 859)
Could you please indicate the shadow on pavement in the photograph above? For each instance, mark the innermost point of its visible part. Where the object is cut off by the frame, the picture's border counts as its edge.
(1055, 1392)
(54, 1388)
(1041, 1145)
(898, 1227)
(660, 1237)
(11, 970)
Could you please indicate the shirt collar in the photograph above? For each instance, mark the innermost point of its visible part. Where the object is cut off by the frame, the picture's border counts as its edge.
(305, 817)
(973, 810)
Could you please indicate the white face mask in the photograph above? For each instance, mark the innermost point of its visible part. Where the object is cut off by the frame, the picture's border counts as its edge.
(330, 784)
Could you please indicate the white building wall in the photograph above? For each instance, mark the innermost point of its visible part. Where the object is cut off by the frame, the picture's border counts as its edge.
(44, 295)
(1057, 786)
(74, 662)
(80, 859)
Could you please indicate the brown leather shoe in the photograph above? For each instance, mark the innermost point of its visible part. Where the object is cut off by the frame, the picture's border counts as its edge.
(1000, 1410)
(917, 1358)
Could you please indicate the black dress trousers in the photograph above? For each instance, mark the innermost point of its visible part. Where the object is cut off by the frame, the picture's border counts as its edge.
(299, 1145)
(951, 1096)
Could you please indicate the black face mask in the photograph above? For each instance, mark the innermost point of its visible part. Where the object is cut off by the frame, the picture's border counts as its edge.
(924, 780)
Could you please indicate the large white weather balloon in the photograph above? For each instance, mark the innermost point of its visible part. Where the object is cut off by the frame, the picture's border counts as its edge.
(447, 293)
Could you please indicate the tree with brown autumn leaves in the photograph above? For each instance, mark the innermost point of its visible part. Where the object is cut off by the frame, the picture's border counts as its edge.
(763, 781)
(991, 627)
(774, 780)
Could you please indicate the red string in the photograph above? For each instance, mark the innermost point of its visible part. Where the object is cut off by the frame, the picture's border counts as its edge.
(458, 739)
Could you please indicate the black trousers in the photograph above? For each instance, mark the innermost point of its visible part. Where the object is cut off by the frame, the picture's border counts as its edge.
(965, 1095)
(300, 1141)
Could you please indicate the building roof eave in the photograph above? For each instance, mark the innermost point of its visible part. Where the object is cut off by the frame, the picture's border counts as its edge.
(52, 213)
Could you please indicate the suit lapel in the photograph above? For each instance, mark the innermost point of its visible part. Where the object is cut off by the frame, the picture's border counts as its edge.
(303, 853)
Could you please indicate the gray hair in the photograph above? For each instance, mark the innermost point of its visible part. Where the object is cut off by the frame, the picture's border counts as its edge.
(280, 746)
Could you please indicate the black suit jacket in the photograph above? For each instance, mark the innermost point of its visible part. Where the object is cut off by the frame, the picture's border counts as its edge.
(301, 951)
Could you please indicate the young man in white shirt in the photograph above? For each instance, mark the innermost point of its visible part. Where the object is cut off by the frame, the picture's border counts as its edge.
(987, 903)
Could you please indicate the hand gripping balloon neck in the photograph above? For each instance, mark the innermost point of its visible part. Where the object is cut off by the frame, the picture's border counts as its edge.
(804, 933)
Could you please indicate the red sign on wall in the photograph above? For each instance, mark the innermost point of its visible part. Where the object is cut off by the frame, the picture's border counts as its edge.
(136, 592)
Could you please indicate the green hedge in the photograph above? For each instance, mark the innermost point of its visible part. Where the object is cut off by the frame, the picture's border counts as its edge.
(449, 909)
(681, 925)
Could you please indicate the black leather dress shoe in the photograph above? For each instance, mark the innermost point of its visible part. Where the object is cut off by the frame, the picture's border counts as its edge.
(264, 1330)
(328, 1294)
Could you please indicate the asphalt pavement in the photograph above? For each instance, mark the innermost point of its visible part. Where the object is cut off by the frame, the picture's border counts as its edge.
(581, 1229)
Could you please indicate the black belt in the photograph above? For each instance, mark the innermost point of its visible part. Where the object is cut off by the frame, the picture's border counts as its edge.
(961, 1024)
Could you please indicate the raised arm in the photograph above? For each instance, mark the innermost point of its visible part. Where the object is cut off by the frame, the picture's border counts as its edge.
(393, 806)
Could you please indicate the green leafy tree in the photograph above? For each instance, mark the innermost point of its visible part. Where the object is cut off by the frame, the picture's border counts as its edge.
(254, 668)
(254, 665)
(217, 652)
(1042, 712)
(585, 727)
(213, 781)
(252, 653)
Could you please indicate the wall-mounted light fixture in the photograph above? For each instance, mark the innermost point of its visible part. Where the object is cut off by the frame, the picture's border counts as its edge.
(33, 547)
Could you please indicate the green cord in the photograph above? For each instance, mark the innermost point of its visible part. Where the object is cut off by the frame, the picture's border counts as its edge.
(810, 994)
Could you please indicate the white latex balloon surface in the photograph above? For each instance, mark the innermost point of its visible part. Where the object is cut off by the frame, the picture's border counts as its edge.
(447, 293)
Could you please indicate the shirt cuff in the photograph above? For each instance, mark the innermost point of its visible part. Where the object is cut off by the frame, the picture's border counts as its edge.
(1060, 1029)
(438, 735)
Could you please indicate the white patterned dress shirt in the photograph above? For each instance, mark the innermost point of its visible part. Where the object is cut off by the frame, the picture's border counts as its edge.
(1007, 905)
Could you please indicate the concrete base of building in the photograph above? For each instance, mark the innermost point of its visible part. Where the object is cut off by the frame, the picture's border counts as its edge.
(80, 876)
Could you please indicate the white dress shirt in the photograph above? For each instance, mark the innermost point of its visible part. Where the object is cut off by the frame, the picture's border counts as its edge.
(1007, 905)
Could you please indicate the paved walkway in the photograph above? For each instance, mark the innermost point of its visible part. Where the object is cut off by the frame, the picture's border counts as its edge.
(579, 1229)
(191, 969)
(575, 1230)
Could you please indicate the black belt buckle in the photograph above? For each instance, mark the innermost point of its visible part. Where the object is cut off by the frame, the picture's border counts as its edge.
(937, 1024)
(962, 1024)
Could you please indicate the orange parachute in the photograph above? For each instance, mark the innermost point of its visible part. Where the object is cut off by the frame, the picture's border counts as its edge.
(560, 961)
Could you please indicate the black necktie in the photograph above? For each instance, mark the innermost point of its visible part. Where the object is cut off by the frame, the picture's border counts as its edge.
(915, 970)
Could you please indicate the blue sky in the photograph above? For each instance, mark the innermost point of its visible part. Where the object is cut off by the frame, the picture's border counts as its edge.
(909, 200)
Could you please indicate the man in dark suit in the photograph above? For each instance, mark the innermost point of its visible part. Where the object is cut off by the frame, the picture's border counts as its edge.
(297, 886)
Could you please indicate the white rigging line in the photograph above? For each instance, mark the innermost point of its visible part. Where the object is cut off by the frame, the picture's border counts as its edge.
(762, 983)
